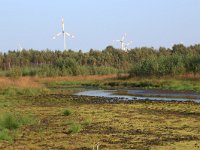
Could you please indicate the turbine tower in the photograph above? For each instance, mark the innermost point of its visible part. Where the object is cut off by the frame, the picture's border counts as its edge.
(20, 47)
(65, 34)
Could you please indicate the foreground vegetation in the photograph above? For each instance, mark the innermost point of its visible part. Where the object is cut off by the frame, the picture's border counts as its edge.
(49, 117)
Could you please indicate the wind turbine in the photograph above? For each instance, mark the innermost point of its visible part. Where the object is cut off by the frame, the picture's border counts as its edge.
(65, 34)
(122, 41)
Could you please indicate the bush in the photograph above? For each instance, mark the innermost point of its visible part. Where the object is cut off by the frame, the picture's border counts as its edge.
(194, 65)
(67, 112)
(74, 128)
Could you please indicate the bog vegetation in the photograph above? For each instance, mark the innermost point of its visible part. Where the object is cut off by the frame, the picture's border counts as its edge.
(137, 62)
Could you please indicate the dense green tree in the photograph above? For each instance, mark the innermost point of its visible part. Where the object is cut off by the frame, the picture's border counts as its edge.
(142, 61)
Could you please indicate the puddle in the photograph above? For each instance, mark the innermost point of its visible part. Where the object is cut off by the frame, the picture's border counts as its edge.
(158, 95)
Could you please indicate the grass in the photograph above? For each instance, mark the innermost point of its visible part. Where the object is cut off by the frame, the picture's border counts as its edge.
(74, 128)
(5, 136)
(12, 121)
(140, 125)
(67, 112)
(13, 91)
(87, 122)
(22, 82)
(9, 121)
(156, 83)
(171, 83)
(32, 84)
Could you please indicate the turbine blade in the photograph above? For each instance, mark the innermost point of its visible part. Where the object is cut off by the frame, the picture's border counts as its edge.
(72, 36)
(123, 37)
(58, 34)
(116, 40)
(129, 43)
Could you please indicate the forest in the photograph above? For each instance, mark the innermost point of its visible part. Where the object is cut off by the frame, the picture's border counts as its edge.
(144, 61)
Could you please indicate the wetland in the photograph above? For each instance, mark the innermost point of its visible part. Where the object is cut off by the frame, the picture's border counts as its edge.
(111, 122)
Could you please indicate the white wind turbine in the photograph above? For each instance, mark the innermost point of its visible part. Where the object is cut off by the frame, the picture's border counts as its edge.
(65, 34)
(122, 41)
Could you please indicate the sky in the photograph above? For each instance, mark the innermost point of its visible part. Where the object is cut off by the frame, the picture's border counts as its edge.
(96, 23)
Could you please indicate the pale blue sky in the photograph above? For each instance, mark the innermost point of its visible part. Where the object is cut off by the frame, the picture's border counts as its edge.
(95, 23)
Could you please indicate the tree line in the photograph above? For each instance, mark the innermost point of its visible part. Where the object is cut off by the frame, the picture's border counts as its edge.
(142, 61)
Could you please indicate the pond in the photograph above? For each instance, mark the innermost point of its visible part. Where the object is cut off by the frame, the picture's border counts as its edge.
(159, 95)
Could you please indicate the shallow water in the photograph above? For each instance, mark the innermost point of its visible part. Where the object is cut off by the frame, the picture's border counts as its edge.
(152, 95)
(165, 93)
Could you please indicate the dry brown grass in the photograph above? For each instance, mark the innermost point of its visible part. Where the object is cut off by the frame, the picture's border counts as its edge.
(190, 75)
(36, 82)
(78, 78)
(22, 82)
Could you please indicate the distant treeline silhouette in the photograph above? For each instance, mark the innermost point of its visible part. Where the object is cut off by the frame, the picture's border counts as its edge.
(142, 61)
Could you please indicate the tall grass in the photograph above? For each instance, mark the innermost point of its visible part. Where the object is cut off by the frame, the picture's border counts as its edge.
(14, 91)
(9, 122)
(74, 128)
(5, 136)
(13, 121)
